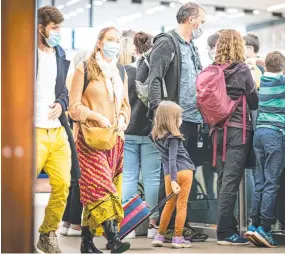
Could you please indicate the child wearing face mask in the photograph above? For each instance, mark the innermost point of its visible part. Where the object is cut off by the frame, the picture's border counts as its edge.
(178, 170)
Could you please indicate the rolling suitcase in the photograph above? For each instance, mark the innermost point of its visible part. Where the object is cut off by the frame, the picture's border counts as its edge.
(136, 212)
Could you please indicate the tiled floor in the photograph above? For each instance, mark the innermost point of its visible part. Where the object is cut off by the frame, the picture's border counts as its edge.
(142, 245)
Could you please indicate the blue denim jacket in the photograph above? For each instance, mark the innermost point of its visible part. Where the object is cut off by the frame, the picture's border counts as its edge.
(190, 68)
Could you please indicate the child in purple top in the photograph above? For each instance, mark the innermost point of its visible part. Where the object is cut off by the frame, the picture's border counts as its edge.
(178, 170)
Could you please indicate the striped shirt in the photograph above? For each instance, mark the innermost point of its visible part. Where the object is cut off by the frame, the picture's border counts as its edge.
(271, 111)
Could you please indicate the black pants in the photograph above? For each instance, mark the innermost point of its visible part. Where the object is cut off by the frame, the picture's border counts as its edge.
(73, 209)
(230, 174)
(208, 169)
(190, 132)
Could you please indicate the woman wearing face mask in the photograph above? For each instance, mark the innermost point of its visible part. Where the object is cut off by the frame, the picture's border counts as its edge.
(102, 110)
(212, 42)
(208, 169)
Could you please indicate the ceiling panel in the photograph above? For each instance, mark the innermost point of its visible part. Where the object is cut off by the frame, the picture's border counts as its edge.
(125, 15)
(251, 4)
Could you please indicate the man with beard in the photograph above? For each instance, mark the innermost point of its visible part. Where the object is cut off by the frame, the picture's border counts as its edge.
(175, 61)
(53, 140)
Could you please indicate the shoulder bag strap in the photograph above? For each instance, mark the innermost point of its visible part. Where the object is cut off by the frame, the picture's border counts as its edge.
(86, 81)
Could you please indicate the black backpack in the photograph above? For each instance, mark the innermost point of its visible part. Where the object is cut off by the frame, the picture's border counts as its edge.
(142, 86)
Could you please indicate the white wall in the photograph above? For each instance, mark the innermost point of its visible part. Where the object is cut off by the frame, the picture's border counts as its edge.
(271, 38)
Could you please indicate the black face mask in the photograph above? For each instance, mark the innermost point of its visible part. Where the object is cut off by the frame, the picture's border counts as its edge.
(133, 59)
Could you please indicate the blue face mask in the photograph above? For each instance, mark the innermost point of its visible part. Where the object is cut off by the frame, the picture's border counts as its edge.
(53, 39)
(197, 32)
(111, 50)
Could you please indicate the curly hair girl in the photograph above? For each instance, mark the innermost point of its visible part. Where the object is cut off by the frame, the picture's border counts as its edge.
(230, 47)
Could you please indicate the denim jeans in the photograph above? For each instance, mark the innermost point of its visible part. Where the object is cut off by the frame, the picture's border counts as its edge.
(269, 147)
(280, 206)
(140, 154)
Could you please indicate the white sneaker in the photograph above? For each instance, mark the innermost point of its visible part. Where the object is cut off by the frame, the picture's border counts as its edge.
(73, 232)
(63, 230)
(152, 231)
(131, 235)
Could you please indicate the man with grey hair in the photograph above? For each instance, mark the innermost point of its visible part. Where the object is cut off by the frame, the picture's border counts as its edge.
(175, 61)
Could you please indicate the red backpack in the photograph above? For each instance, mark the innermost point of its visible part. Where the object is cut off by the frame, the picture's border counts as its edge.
(215, 105)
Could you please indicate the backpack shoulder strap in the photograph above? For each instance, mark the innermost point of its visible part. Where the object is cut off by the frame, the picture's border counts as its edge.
(121, 71)
(146, 61)
(86, 81)
(173, 39)
(146, 57)
(170, 36)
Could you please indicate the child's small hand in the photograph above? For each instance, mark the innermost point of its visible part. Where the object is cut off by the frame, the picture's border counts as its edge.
(175, 187)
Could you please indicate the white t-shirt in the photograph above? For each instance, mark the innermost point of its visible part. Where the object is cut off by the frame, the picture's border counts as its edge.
(45, 89)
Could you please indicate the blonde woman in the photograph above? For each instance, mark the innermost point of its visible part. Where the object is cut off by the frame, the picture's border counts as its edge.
(239, 82)
(77, 59)
(127, 53)
(99, 102)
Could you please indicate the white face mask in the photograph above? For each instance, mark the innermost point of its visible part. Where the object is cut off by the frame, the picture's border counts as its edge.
(211, 53)
(111, 50)
(196, 33)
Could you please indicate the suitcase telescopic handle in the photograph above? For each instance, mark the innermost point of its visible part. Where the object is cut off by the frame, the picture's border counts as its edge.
(161, 203)
(147, 216)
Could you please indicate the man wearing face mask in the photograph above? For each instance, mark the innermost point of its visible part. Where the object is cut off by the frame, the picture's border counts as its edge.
(54, 141)
(175, 60)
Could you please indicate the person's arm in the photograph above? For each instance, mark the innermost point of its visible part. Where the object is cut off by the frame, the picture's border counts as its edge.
(79, 112)
(59, 107)
(250, 91)
(173, 151)
(63, 99)
(160, 60)
(125, 110)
